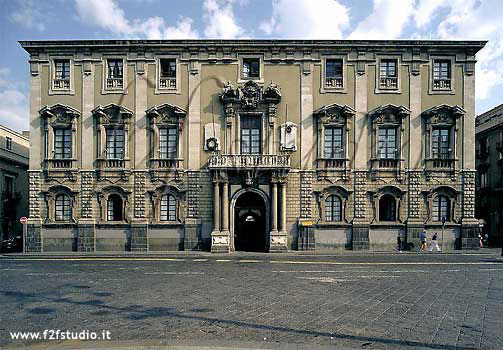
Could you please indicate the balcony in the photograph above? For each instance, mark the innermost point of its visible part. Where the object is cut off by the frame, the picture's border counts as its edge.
(167, 83)
(57, 164)
(441, 84)
(115, 83)
(160, 164)
(440, 163)
(252, 161)
(61, 84)
(388, 83)
(112, 164)
(331, 163)
(334, 83)
(385, 163)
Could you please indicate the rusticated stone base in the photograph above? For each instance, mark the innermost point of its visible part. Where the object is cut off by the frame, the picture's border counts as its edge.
(139, 242)
(192, 239)
(85, 238)
(470, 236)
(360, 237)
(33, 239)
(306, 238)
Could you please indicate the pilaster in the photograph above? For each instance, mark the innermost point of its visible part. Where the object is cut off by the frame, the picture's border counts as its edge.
(194, 117)
(306, 116)
(87, 123)
(140, 129)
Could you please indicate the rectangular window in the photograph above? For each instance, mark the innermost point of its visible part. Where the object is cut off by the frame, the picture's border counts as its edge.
(115, 74)
(251, 68)
(442, 74)
(8, 143)
(62, 143)
(62, 74)
(388, 74)
(250, 135)
(8, 186)
(168, 208)
(115, 143)
(440, 144)
(387, 143)
(483, 146)
(168, 143)
(167, 78)
(333, 143)
(333, 73)
(483, 179)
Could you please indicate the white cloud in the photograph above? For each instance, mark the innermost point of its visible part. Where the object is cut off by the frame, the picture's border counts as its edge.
(108, 15)
(14, 111)
(220, 21)
(386, 21)
(426, 9)
(29, 15)
(321, 19)
(473, 19)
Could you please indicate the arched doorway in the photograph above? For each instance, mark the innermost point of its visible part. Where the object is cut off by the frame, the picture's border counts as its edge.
(250, 208)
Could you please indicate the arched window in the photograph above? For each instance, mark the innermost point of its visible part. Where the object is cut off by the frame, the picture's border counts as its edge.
(168, 208)
(63, 208)
(333, 208)
(114, 210)
(441, 208)
(387, 208)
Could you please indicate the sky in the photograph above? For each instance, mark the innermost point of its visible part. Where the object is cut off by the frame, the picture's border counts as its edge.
(245, 19)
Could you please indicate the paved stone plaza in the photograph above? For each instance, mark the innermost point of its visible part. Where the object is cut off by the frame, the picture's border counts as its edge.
(371, 301)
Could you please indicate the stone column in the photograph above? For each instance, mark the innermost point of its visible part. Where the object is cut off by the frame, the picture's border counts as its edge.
(274, 209)
(216, 207)
(225, 207)
(283, 208)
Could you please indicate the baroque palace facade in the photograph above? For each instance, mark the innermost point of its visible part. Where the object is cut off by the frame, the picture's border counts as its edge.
(257, 145)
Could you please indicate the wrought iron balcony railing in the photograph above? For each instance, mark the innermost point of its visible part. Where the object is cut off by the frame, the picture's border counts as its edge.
(167, 83)
(61, 84)
(442, 84)
(388, 83)
(252, 161)
(115, 83)
(337, 82)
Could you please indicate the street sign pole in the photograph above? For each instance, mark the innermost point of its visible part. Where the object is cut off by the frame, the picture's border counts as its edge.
(23, 220)
(443, 225)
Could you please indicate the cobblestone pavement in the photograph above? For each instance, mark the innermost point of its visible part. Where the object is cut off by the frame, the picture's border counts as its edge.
(361, 301)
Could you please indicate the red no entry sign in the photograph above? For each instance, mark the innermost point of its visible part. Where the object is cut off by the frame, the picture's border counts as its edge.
(23, 220)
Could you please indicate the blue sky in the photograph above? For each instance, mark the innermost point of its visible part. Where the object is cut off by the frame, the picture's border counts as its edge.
(179, 19)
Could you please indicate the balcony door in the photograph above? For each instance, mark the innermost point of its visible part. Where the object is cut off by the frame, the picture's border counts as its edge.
(251, 135)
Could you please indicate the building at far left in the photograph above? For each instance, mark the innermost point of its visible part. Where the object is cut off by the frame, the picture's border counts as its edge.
(14, 152)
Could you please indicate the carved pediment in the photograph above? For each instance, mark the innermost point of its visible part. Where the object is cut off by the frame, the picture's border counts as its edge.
(334, 114)
(166, 114)
(112, 114)
(250, 95)
(388, 114)
(443, 114)
(59, 114)
(336, 189)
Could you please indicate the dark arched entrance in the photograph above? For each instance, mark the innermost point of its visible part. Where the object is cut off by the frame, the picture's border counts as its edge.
(250, 223)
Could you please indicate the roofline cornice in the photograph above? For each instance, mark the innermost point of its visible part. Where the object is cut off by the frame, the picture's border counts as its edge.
(292, 43)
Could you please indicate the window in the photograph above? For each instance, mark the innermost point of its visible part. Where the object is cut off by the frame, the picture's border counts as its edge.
(387, 143)
(168, 208)
(333, 143)
(333, 208)
(115, 143)
(440, 144)
(442, 75)
(333, 73)
(114, 210)
(8, 186)
(388, 74)
(251, 68)
(168, 143)
(8, 143)
(483, 178)
(441, 208)
(62, 74)
(115, 74)
(250, 135)
(167, 78)
(387, 208)
(62, 143)
(483, 146)
(63, 208)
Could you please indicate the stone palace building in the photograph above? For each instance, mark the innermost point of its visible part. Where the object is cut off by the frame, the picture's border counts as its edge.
(255, 145)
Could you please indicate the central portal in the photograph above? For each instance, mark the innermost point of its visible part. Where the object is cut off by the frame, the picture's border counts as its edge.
(250, 222)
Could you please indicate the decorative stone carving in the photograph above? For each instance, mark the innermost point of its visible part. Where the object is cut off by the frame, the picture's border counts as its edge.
(167, 114)
(59, 115)
(288, 136)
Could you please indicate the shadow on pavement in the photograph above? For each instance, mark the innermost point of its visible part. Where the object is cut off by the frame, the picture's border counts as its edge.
(138, 312)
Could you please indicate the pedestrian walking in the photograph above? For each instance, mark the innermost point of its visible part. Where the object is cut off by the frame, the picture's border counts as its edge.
(399, 243)
(481, 243)
(434, 243)
(423, 238)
